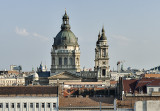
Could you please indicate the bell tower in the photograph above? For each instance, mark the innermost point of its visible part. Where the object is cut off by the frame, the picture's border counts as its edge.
(101, 57)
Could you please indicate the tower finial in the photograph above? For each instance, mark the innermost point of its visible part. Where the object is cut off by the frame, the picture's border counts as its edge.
(99, 35)
(103, 28)
(65, 11)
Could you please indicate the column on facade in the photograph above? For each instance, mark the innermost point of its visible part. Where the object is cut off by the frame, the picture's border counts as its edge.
(68, 62)
(62, 61)
(34, 106)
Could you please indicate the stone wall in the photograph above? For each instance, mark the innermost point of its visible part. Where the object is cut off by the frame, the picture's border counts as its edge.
(149, 105)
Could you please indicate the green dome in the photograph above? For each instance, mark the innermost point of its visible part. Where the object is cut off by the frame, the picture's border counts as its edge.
(65, 37)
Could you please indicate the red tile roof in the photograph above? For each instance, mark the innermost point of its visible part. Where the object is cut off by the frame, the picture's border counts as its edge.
(28, 90)
(85, 101)
(113, 82)
(131, 86)
(155, 82)
(152, 75)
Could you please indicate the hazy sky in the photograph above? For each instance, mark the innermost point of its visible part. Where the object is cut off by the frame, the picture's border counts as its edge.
(132, 28)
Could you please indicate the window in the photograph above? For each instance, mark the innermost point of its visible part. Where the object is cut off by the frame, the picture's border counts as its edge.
(60, 61)
(53, 61)
(103, 72)
(48, 105)
(31, 105)
(54, 105)
(151, 89)
(65, 61)
(25, 105)
(6, 105)
(104, 52)
(71, 61)
(12, 105)
(18, 105)
(64, 38)
(1, 105)
(104, 63)
(42, 105)
(37, 105)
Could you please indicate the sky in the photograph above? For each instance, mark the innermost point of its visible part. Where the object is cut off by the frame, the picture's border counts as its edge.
(27, 29)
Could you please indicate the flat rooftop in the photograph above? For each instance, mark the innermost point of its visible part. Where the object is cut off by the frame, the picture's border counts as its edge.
(83, 83)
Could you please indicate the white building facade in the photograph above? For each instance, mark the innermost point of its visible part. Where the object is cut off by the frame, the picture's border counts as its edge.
(28, 103)
(151, 89)
(12, 81)
(29, 98)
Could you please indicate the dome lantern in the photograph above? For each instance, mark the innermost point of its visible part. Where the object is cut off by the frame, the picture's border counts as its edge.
(65, 24)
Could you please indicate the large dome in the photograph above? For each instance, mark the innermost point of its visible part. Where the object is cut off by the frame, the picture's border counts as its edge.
(65, 37)
(35, 76)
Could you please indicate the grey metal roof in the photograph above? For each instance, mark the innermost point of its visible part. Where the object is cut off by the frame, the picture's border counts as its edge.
(65, 36)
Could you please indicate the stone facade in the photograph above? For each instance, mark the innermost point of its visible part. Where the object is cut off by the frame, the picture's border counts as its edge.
(149, 105)
(65, 53)
(62, 77)
(101, 57)
(89, 76)
(12, 81)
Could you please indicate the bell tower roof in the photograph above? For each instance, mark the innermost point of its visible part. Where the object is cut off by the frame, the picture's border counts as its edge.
(103, 36)
(99, 35)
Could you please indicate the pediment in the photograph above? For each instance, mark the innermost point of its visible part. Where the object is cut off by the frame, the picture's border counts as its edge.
(64, 75)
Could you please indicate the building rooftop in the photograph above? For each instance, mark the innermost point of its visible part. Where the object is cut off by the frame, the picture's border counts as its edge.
(113, 82)
(82, 83)
(84, 102)
(28, 90)
(152, 75)
(134, 85)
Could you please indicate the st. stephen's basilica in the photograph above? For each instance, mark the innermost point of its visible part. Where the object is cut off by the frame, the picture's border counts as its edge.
(65, 57)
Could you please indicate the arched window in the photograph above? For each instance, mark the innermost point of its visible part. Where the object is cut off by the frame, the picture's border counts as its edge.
(103, 72)
(104, 52)
(53, 61)
(71, 61)
(60, 61)
(65, 61)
